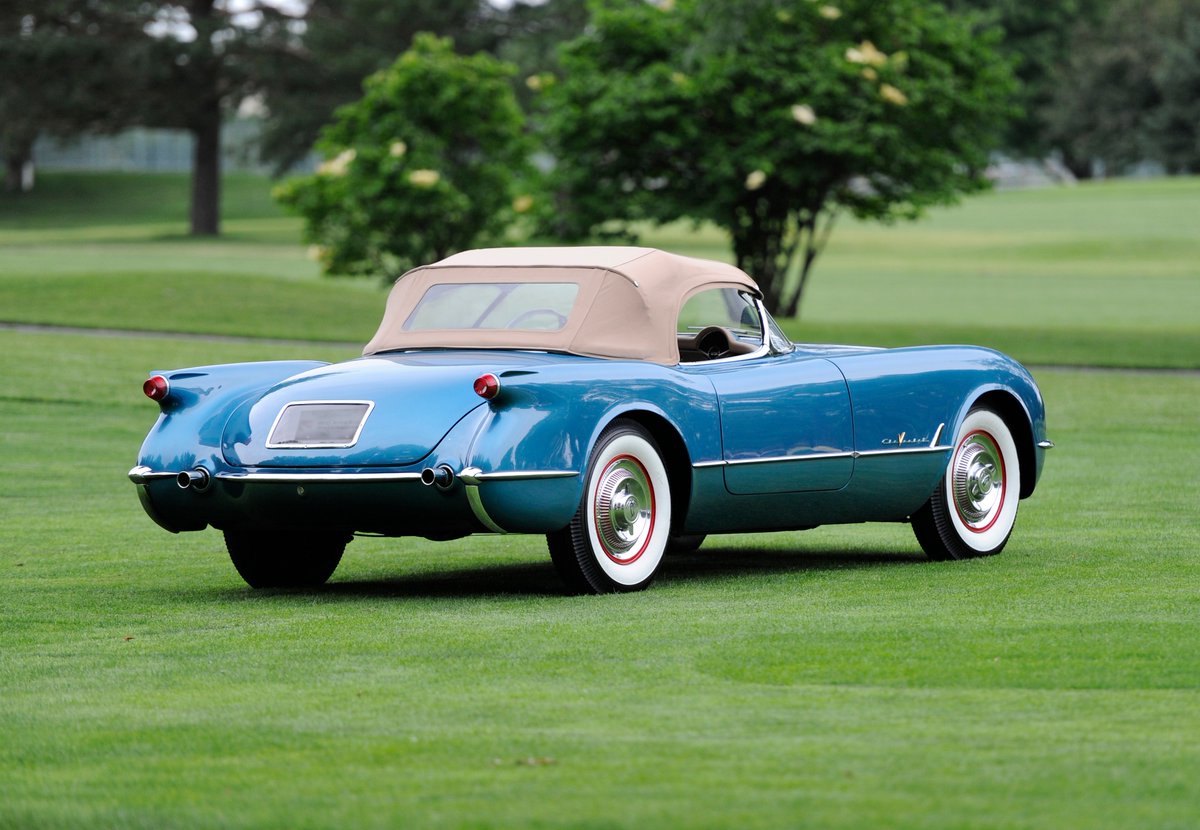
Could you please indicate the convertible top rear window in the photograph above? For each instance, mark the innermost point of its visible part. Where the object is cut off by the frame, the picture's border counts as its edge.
(531, 306)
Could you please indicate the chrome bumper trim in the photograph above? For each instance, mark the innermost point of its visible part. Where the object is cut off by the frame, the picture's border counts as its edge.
(140, 474)
(292, 478)
(1046, 445)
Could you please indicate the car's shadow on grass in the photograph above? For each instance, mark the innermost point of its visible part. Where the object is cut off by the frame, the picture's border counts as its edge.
(539, 579)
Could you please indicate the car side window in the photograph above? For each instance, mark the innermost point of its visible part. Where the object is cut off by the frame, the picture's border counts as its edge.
(716, 323)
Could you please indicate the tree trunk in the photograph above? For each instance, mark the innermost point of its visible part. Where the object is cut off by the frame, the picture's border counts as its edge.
(17, 153)
(206, 171)
(12, 174)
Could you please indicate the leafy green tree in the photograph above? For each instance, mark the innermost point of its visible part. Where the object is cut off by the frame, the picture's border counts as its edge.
(770, 117)
(55, 79)
(423, 165)
(1175, 126)
(1036, 39)
(341, 42)
(1128, 90)
(80, 65)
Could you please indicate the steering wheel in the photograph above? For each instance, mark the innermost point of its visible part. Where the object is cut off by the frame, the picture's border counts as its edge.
(561, 319)
(713, 342)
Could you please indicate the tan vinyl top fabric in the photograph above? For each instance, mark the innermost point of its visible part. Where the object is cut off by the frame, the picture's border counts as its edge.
(627, 306)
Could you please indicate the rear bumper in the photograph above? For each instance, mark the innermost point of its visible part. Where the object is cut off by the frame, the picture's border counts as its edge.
(391, 503)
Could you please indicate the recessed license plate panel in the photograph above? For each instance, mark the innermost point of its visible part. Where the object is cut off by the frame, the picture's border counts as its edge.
(319, 424)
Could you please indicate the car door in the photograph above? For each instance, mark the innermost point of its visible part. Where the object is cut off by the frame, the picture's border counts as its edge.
(786, 423)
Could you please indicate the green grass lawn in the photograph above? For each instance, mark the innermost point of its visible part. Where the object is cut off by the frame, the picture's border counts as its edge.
(1100, 274)
(831, 678)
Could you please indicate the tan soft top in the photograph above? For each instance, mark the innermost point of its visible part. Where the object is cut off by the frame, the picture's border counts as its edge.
(627, 305)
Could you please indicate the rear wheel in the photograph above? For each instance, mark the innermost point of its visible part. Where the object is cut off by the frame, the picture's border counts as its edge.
(617, 537)
(273, 558)
(974, 508)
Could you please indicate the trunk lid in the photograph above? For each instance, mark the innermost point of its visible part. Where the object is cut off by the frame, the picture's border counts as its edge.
(386, 410)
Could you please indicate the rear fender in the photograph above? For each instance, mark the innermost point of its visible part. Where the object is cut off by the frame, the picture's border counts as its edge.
(548, 421)
(193, 415)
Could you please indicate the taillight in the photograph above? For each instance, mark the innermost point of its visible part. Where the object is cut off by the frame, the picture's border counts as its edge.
(156, 388)
(487, 386)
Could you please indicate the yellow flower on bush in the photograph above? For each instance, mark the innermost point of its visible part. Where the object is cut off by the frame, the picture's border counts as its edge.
(398, 149)
(755, 180)
(522, 204)
(892, 95)
(338, 165)
(866, 53)
(870, 74)
(804, 114)
(424, 178)
(830, 12)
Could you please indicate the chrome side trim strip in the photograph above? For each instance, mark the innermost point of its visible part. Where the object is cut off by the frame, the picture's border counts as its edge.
(294, 477)
(141, 474)
(816, 456)
(472, 476)
(510, 475)
(1046, 445)
(821, 456)
(910, 451)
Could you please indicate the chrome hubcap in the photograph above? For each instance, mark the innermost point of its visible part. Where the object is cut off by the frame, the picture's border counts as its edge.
(978, 480)
(624, 508)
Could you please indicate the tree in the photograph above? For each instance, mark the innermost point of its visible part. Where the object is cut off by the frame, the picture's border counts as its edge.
(1175, 126)
(80, 65)
(423, 165)
(768, 118)
(196, 60)
(340, 43)
(56, 71)
(1036, 39)
(1128, 90)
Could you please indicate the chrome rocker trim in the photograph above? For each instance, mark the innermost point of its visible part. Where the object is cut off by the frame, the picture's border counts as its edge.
(1046, 445)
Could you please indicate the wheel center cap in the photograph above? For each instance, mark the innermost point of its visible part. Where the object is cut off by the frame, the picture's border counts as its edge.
(626, 509)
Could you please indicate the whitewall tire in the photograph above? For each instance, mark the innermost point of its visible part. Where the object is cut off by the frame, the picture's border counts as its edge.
(974, 508)
(618, 536)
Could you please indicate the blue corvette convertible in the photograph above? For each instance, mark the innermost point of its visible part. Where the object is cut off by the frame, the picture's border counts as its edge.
(622, 401)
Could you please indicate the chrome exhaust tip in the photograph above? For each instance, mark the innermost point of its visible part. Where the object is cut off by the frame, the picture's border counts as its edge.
(441, 475)
(196, 478)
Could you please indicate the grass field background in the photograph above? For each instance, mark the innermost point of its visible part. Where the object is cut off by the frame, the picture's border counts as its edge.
(831, 678)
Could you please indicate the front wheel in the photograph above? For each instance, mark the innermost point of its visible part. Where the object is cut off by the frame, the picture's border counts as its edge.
(974, 508)
(277, 558)
(617, 537)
